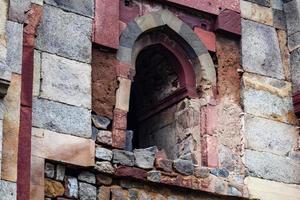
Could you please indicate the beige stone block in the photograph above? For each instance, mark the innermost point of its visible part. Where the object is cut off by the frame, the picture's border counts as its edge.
(256, 12)
(37, 73)
(271, 190)
(64, 148)
(37, 178)
(123, 94)
(146, 22)
(284, 52)
(11, 129)
(3, 16)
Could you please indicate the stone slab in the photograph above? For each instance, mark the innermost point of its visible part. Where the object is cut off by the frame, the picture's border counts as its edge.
(268, 98)
(123, 94)
(270, 136)
(260, 50)
(8, 190)
(11, 123)
(64, 148)
(292, 13)
(277, 4)
(271, 190)
(208, 38)
(61, 118)
(272, 167)
(85, 8)
(108, 36)
(261, 2)
(294, 41)
(14, 32)
(17, 10)
(229, 21)
(56, 25)
(256, 12)
(37, 178)
(295, 69)
(66, 81)
(37, 73)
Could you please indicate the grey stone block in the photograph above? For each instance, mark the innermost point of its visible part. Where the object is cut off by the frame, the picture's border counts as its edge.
(49, 170)
(260, 50)
(65, 34)
(17, 10)
(104, 154)
(295, 69)
(130, 34)
(87, 192)
(87, 177)
(270, 136)
(60, 172)
(14, 33)
(261, 2)
(105, 167)
(61, 118)
(100, 122)
(220, 172)
(279, 20)
(8, 190)
(294, 41)
(104, 137)
(292, 12)
(144, 158)
(85, 7)
(66, 81)
(277, 4)
(123, 157)
(272, 167)
(185, 167)
(71, 187)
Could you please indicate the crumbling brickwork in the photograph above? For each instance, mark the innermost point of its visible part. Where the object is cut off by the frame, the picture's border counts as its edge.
(140, 99)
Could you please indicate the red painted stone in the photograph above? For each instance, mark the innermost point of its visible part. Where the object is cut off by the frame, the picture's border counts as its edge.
(210, 6)
(27, 76)
(118, 138)
(120, 119)
(106, 23)
(125, 70)
(296, 100)
(229, 21)
(128, 13)
(208, 38)
(131, 172)
(209, 147)
(231, 5)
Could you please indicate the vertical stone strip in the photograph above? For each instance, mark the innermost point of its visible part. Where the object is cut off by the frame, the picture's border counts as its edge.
(24, 148)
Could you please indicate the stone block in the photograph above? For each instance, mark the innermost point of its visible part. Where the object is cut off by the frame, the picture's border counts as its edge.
(66, 81)
(208, 38)
(53, 188)
(256, 13)
(103, 179)
(49, 170)
(8, 190)
(100, 122)
(85, 8)
(294, 41)
(104, 137)
(144, 158)
(295, 69)
(270, 136)
(103, 193)
(272, 167)
(154, 176)
(123, 157)
(105, 167)
(279, 20)
(14, 33)
(11, 123)
(38, 2)
(37, 180)
(123, 94)
(277, 4)
(221, 172)
(37, 73)
(268, 98)
(87, 192)
(261, 2)
(119, 138)
(265, 189)
(118, 193)
(61, 118)
(103, 154)
(131, 172)
(60, 172)
(18, 9)
(71, 187)
(260, 50)
(229, 21)
(87, 177)
(185, 167)
(285, 55)
(64, 148)
(292, 12)
(56, 25)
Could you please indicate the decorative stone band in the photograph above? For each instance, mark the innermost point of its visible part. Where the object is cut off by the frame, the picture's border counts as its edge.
(296, 100)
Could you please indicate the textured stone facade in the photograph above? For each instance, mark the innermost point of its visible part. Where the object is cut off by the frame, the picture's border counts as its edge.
(149, 100)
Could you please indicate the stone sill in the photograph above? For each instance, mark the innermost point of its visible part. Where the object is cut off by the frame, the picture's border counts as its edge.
(296, 100)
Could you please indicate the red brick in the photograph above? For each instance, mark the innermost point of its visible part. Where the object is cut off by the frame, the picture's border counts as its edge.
(208, 38)
(118, 138)
(209, 147)
(229, 21)
(131, 172)
(120, 119)
(106, 23)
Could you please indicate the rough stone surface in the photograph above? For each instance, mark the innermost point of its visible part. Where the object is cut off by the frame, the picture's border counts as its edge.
(295, 69)
(201, 172)
(8, 190)
(292, 11)
(267, 97)
(56, 25)
(260, 50)
(17, 10)
(144, 158)
(60, 172)
(272, 167)
(270, 136)
(14, 32)
(103, 154)
(103, 179)
(279, 20)
(71, 187)
(61, 118)
(117, 193)
(154, 176)
(87, 192)
(123, 157)
(103, 193)
(53, 188)
(85, 8)
(104, 137)
(66, 81)
(129, 137)
(87, 177)
(185, 167)
(261, 2)
(105, 167)
(49, 170)
(104, 82)
(100, 122)
(220, 172)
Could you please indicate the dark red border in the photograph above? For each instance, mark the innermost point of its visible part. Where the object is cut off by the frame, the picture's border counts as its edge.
(296, 100)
